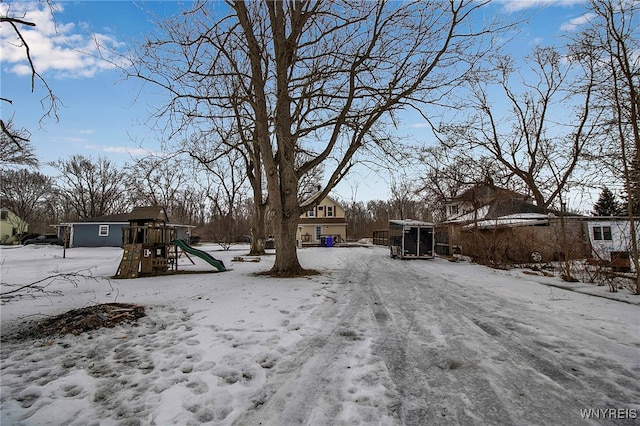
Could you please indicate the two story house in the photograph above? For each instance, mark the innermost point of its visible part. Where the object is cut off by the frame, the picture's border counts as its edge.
(11, 226)
(487, 201)
(499, 225)
(323, 224)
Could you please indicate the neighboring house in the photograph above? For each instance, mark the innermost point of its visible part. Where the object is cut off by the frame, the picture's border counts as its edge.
(485, 200)
(499, 225)
(107, 231)
(610, 238)
(323, 223)
(11, 226)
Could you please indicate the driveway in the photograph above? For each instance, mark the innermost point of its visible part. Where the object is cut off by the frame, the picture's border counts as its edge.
(433, 342)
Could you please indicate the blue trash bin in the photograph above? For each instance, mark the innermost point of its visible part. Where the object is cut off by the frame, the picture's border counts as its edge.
(329, 241)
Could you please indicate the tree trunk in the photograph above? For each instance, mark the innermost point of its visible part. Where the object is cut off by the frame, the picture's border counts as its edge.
(286, 262)
(258, 228)
(283, 202)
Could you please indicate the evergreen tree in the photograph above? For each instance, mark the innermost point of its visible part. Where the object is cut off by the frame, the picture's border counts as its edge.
(607, 204)
(634, 184)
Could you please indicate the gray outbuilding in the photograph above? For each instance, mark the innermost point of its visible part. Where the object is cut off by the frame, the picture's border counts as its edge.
(101, 231)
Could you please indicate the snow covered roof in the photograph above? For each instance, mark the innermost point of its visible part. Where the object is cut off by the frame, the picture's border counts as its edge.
(410, 222)
(512, 221)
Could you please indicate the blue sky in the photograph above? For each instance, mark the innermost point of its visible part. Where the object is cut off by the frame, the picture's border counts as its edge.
(104, 115)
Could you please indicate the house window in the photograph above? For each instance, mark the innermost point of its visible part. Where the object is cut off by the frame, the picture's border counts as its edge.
(602, 233)
(329, 211)
(103, 231)
(4, 215)
(311, 213)
(453, 209)
(318, 232)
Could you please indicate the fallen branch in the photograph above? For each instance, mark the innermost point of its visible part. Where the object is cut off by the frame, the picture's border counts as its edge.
(40, 287)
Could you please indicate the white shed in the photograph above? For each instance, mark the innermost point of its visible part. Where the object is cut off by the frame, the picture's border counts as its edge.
(608, 235)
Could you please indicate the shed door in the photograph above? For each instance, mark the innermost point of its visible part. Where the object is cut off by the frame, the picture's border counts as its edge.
(411, 241)
(426, 242)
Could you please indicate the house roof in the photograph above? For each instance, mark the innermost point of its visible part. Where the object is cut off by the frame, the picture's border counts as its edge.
(404, 222)
(486, 191)
(496, 208)
(109, 218)
(312, 199)
(511, 221)
(156, 213)
(503, 207)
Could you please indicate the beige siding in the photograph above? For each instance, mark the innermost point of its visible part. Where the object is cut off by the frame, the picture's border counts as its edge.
(326, 209)
(307, 234)
(10, 226)
(329, 217)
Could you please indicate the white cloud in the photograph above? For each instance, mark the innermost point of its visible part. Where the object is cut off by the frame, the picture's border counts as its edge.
(536, 41)
(61, 48)
(518, 5)
(113, 149)
(419, 125)
(574, 23)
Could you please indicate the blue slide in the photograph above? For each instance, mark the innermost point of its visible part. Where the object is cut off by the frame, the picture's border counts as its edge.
(201, 254)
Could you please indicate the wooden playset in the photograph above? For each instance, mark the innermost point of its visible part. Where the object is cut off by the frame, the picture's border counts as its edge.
(151, 246)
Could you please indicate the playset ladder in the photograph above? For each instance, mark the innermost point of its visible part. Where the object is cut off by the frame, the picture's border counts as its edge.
(130, 263)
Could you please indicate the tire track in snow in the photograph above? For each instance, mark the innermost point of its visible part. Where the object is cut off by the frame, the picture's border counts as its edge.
(455, 360)
(560, 386)
(430, 377)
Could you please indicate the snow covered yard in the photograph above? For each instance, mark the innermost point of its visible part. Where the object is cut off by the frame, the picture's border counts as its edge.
(371, 340)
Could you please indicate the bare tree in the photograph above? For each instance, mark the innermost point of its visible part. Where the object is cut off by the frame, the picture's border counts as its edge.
(166, 181)
(314, 77)
(12, 154)
(25, 193)
(447, 171)
(225, 189)
(613, 40)
(359, 223)
(311, 182)
(20, 137)
(403, 203)
(230, 141)
(532, 142)
(91, 188)
(188, 206)
(155, 181)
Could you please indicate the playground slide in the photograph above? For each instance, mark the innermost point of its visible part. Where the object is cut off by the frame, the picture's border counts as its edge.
(218, 264)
